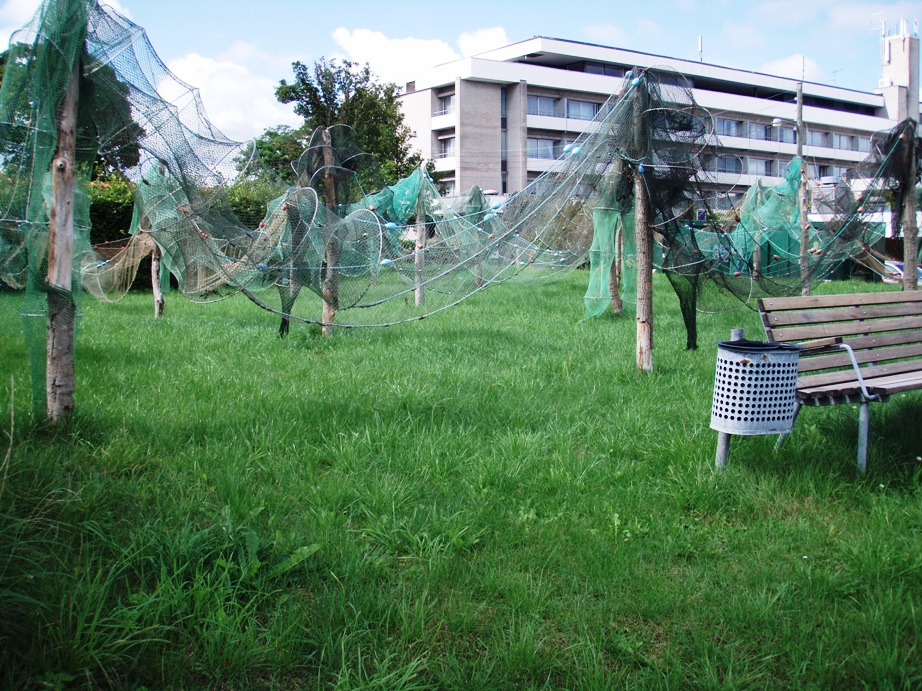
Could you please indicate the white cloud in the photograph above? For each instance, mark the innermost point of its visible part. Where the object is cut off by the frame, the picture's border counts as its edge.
(17, 12)
(14, 14)
(399, 60)
(239, 103)
(482, 40)
(795, 67)
(392, 59)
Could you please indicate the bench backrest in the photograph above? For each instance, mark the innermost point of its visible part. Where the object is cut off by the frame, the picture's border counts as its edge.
(881, 327)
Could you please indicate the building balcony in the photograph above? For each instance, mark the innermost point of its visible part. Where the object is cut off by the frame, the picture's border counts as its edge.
(443, 120)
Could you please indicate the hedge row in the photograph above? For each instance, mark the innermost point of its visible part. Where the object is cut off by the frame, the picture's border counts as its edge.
(112, 205)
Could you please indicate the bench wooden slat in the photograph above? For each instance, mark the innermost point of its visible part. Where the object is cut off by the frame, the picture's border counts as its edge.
(884, 340)
(831, 390)
(868, 374)
(841, 359)
(883, 386)
(898, 383)
(812, 301)
(841, 314)
(804, 333)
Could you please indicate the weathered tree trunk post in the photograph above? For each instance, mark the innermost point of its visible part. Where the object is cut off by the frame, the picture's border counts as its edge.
(644, 240)
(155, 281)
(331, 259)
(420, 257)
(59, 364)
(614, 276)
(910, 229)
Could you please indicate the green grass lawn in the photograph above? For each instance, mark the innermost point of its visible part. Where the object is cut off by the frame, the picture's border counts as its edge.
(492, 498)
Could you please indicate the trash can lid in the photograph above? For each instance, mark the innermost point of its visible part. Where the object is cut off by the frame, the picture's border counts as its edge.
(745, 346)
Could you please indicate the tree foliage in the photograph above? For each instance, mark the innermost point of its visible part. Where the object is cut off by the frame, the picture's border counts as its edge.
(331, 93)
(273, 153)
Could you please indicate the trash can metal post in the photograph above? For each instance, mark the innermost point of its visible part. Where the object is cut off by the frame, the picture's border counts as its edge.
(723, 438)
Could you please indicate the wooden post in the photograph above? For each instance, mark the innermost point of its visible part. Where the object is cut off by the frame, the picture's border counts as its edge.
(331, 258)
(60, 380)
(757, 237)
(155, 281)
(644, 241)
(614, 276)
(723, 438)
(910, 229)
(420, 257)
(802, 197)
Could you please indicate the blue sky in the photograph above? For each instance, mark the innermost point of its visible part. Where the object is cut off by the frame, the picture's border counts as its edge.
(237, 51)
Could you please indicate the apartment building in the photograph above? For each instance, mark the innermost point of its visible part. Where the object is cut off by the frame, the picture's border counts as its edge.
(499, 119)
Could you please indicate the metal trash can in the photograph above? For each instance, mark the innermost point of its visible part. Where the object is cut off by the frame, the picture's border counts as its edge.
(755, 387)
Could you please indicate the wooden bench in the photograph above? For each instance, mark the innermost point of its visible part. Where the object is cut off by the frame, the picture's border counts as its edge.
(857, 348)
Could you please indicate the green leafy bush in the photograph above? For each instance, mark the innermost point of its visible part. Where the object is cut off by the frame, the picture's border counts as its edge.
(111, 208)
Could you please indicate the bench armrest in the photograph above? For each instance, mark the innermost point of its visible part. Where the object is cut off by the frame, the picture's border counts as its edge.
(865, 394)
(820, 344)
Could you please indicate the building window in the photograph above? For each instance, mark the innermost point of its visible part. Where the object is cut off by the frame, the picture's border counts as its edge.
(446, 105)
(728, 128)
(503, 96)
(761, 132)
(846, 142)
(446, 148)
(601, 68)
(761, 167)
(542, 148)
(728, 164)
(841, 171)
(818, 172)
(542, 105)
(581, 110)
(504, 145)
(815, 138)
(864, 144)
(448, 188)
(787, 135)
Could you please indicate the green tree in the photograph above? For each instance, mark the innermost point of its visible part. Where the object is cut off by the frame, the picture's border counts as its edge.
(273, 153)
(331, 93)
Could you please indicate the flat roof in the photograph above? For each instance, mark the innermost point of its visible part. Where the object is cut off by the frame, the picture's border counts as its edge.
(557, 52)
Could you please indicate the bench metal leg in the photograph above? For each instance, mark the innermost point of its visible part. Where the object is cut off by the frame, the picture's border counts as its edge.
(784, 435)
(864, 416)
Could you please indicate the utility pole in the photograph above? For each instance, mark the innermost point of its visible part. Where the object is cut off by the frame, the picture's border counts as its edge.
(420, 256)
(802, 197)
(910, 229)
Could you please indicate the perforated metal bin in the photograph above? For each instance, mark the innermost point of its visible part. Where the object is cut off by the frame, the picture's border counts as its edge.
(754, 387)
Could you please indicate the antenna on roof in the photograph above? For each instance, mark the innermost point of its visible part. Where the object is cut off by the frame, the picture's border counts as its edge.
(700, 48)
